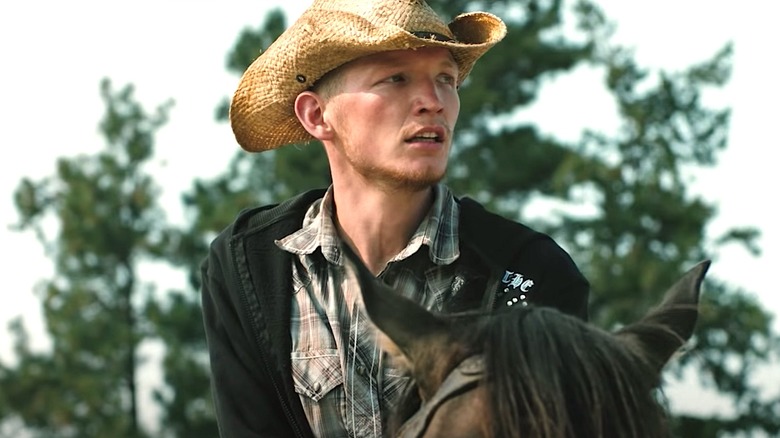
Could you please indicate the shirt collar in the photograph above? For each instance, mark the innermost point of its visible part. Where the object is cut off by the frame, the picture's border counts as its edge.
(438, 231)
(317, 231)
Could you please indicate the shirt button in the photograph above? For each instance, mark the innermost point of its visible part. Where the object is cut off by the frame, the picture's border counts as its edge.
(361, 370)
(317, 387)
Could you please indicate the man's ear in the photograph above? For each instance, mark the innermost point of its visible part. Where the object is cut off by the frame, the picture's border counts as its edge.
(309, 108)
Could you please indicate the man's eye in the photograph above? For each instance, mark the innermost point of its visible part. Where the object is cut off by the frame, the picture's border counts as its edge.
(396, 78)
(447, 79)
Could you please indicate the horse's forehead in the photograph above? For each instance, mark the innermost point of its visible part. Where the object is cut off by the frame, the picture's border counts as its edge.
(464, 416)
(458, 394)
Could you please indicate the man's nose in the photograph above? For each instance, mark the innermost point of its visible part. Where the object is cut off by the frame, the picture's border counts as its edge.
(429, 97)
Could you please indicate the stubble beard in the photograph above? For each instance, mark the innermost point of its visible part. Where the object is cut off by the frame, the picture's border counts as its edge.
(387, 178)
(397, 180)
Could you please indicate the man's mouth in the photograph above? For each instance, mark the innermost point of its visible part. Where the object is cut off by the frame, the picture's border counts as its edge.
(429, 137)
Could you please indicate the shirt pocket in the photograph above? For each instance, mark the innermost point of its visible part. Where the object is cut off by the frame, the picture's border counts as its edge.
(316, 373)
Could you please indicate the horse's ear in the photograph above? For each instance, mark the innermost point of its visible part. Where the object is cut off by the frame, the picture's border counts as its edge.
(407, 324)
(666, 328)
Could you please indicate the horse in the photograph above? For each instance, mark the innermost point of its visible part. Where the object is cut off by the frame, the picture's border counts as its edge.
(530, 371)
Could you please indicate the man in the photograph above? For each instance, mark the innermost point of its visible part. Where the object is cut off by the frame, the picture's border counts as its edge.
(376, 82)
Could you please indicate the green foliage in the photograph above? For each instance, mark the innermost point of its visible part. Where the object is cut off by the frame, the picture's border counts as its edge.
(507, 78)
(107, 220)
(185, 400)
(248, 45)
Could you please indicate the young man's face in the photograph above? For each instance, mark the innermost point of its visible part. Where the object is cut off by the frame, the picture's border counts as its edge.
(392, 115)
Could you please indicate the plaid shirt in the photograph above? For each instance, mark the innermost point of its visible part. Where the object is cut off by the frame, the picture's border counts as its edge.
(345, 384)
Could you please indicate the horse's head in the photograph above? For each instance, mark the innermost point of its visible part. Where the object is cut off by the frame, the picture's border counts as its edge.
(532, 372)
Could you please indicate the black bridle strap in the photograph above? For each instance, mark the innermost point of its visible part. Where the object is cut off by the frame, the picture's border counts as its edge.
(465, 377)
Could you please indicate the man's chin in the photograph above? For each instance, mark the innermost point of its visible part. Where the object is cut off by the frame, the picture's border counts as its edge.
(415, 182)
(405, 180)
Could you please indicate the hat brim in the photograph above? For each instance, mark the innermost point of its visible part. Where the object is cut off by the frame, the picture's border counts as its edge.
(262, 110)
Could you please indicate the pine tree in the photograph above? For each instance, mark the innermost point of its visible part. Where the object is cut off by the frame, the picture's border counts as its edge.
(98, 219)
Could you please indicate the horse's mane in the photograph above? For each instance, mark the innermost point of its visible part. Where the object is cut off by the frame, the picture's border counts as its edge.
(531, 359)
(535, 354)
(546, 374)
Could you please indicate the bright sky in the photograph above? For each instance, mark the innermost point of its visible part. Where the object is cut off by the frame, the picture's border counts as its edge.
(54, 55)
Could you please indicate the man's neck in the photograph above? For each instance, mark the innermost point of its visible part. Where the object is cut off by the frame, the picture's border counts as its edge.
(378, 224)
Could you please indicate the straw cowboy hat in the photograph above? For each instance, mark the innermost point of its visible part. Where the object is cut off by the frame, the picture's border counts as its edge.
(331, 33)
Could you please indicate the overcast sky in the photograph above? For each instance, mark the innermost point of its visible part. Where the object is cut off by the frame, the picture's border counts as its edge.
(54, 55)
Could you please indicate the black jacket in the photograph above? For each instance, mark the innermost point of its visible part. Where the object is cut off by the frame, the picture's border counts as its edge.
(246, 297)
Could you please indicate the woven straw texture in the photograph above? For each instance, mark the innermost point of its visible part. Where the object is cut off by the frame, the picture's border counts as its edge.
(329, 34)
